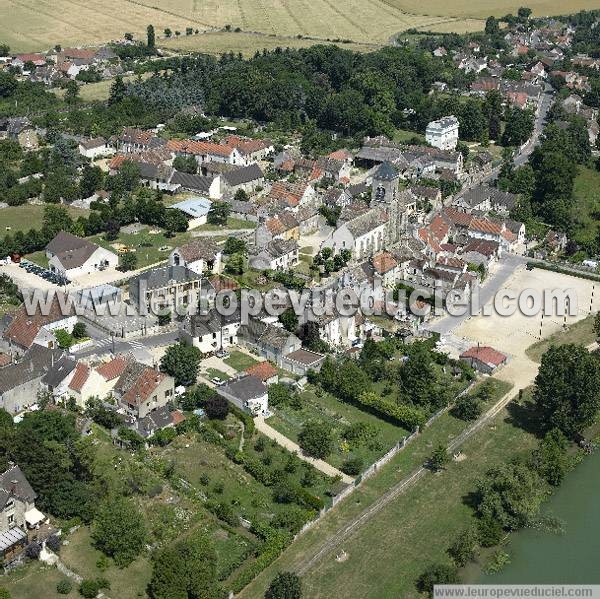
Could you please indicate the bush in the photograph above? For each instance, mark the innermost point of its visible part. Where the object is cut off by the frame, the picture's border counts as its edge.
(90, 588)
(352, 466)
(64, 587)
(33, 550)
(54, 543)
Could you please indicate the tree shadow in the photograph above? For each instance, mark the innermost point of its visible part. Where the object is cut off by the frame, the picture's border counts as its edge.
(525, 416)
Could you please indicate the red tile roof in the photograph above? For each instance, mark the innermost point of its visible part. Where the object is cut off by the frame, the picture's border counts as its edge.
(384, 262)
(263, 371)
(113, 369)
(82, 373)
(24, 327)
(177, 417)
(143, 387)
(5, 359)
(485, 354)
(290, 193)
(245, 145)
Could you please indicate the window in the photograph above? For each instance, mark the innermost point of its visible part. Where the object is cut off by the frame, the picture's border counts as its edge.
(11, 519)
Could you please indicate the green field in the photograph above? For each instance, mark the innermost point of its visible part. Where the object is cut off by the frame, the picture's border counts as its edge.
(586, 207)
(582, 332)
(29, 216)
(239, 360)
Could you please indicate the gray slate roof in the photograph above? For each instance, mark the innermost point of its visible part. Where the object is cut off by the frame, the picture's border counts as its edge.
(243, 175)
(248, 387)
(193, 182)
(13, 483)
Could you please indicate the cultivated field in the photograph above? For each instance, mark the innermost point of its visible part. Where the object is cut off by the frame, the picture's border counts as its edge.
(28, 25)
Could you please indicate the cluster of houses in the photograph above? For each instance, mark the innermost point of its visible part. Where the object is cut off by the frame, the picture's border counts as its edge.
(62, 64)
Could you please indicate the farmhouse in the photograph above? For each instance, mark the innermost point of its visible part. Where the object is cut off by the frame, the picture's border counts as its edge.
(247, 178)
(278, 254)
(94, 147)
(212, 331)
(141, 389)
(248, 393)
(72, 256)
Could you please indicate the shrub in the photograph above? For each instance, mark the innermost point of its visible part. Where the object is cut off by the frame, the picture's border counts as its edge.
(54, 543)
(33, 550)
(352, 466)
(64, 587)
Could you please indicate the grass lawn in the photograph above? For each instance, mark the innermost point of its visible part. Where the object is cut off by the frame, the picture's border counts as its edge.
(232, 223)
(417, 528)
(212, 373)
(239, 360)
(404, 136)
(586, 205)
(81, 557)
(339, 416)
(146, 254)
(29, 216)
(582, 332)
(443, 430)
(34, 580)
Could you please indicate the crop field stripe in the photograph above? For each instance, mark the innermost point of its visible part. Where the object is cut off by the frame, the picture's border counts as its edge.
(76, 26)
(131, 20)
(346, 18)
(171, 13)
(243, 17)
(394, 11)
(301, 28)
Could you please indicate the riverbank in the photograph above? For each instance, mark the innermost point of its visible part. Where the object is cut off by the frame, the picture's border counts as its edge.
(567, 558)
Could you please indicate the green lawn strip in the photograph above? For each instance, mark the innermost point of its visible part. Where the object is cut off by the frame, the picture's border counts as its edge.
(586, 204)
(81, 557)
(33, 580)
(146, 255)
(29, 216)
(581, 332)
(212, 373)
(443, 430)
(239, 361)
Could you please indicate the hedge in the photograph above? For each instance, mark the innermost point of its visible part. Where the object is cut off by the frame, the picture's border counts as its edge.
(407, 416)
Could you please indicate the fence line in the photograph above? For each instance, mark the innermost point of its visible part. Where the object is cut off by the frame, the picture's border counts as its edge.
(373, 468)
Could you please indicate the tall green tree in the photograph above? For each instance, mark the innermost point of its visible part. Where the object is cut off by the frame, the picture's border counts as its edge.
(150, 37)
(119, 530)
(181, 361)
(567, 388)
(286, 585)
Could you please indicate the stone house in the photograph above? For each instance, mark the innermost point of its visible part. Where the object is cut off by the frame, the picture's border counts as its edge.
(198, 255)
(278, 254)
(141, 390)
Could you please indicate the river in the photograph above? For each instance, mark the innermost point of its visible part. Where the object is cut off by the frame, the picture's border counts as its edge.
(569, 558)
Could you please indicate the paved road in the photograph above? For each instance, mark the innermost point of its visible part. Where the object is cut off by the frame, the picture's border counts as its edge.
(119, 346)
(282, 440)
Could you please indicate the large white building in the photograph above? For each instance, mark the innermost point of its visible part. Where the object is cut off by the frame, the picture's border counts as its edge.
(443, 133)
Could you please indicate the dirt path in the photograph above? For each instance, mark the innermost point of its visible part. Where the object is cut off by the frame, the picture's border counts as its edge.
(282, 440)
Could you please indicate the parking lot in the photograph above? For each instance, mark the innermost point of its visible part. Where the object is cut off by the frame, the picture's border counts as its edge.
(27, 279)
(44, 273)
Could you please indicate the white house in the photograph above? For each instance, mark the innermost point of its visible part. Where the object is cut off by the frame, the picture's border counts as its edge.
(443, 133)
(363, 235)
(73, 256)
(211, 332)
(278, 254)
(248, 393)
(94, 148)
